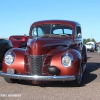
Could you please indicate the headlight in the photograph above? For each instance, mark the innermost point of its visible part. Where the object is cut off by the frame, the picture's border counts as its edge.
(9, 58)
(67, 59)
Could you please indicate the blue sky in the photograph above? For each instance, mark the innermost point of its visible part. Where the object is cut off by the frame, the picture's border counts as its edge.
(16, 16)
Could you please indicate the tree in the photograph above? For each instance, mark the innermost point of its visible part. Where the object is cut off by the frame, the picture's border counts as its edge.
(93, 40)
(84, 41)
(88, 40)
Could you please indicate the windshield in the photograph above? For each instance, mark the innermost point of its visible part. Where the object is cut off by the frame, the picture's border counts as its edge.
(52, 29)
(89, 44)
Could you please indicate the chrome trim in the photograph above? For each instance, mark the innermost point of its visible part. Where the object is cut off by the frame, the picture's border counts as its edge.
(35, 40)
(38, 78)
(51, 28)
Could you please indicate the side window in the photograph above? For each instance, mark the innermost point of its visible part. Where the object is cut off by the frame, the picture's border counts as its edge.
(34, 32)
(37, 32)
(40, 33)
(79, 34)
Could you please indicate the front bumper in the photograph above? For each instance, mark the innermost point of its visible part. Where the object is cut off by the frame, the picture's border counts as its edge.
(89, 49)
(38, 78)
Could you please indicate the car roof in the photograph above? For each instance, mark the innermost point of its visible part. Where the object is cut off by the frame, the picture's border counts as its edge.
(90, 43)
(72, 23)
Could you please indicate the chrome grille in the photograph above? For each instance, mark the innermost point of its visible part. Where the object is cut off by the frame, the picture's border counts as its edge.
(36, 65)
(47, 60)
(46, 64)
(26, 64)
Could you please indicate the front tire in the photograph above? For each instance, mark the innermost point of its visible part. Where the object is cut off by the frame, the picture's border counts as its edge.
(93, 50)
(84, 67)
(8, 80)
(77, 81)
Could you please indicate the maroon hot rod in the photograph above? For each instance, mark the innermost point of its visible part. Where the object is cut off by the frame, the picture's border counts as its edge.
(19, 41)
(54, 52)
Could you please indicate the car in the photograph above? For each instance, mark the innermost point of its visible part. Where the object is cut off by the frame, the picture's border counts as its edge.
(4, 46)
(54, 52)
(19, 41)
(90, 46)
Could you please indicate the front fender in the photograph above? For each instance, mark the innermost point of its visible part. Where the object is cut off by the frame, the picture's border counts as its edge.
(71, 70)
(18, 64)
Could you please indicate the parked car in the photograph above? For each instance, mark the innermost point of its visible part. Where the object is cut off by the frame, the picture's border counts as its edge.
(54, 52)
(90, 46)
(19, 41)
(4, 46)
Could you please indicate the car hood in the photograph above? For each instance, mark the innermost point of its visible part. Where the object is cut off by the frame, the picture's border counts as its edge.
(42, 45)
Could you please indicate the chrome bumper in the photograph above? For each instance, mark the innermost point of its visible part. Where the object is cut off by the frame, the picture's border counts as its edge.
(38, 78)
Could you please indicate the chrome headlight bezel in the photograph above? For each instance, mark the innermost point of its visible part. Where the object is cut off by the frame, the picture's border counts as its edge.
(9, 58)
(67, 59)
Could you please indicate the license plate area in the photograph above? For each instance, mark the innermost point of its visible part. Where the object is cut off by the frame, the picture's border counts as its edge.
(10, 71)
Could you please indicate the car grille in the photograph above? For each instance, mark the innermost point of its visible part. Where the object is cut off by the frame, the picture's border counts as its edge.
(37, 65)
